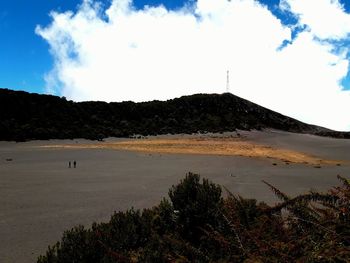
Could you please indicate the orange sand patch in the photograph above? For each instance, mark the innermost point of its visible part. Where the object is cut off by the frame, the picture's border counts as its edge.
(207, 146)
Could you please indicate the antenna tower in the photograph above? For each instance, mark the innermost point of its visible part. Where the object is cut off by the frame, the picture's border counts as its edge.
(228, 82)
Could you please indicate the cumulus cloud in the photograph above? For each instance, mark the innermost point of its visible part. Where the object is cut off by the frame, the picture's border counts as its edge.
(325, 19)
(123, 53)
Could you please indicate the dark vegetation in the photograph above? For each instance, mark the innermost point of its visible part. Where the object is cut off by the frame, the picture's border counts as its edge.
(199, 225)
(25, 116)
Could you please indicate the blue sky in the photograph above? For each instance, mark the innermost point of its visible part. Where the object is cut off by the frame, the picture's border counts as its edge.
(275, 50)
(24, 56)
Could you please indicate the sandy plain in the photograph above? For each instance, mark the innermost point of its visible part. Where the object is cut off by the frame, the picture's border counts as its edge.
(40, 196)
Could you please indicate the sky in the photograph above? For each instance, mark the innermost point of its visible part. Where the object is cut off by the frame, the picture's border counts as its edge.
(291, 56)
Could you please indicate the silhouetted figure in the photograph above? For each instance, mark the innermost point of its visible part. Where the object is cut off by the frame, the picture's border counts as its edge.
(75, 164)
(69, 164)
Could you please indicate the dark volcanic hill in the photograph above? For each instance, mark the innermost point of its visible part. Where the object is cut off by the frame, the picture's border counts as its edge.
(26, 116)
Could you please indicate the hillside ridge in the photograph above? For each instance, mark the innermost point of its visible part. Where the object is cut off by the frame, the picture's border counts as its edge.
(29, 116)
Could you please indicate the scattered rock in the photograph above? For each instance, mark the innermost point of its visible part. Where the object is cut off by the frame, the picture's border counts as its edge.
(317, 166)
(9, 159)
(274, 164)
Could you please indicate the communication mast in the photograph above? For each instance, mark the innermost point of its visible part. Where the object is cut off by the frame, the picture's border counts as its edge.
(228, 82)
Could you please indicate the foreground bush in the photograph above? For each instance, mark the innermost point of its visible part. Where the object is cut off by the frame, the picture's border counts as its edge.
(198, 225)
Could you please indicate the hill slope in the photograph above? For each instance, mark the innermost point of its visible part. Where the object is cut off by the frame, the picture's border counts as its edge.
(26, 116)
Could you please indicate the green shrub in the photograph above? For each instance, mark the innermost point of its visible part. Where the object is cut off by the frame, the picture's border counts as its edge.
(198, 225)
(197, 205)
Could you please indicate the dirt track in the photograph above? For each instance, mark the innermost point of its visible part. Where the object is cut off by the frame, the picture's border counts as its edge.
(40, 196)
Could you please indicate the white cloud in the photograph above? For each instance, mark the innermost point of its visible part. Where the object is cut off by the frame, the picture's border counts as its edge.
(155, 53)
(325, 18)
